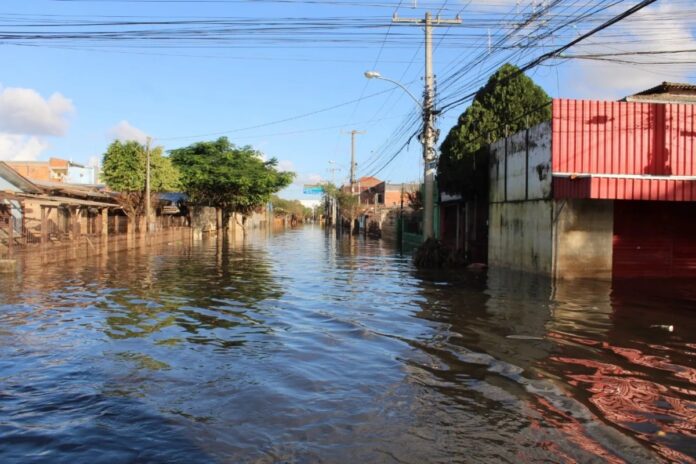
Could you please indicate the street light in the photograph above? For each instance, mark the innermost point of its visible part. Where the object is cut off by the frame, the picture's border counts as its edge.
(428, 140)
(377, 75)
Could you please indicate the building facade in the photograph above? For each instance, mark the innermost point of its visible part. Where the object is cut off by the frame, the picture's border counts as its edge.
(604, 190)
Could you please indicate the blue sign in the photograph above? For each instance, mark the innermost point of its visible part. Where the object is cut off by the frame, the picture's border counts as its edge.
(313, 189)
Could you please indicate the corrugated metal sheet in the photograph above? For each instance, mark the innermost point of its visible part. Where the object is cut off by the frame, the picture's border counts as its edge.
(624, 189)
(646, 143)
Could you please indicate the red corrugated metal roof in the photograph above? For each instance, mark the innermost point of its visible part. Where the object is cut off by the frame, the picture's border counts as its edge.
(624, 150)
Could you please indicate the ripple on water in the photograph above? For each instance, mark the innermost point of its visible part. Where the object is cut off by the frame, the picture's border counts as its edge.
(303, 348)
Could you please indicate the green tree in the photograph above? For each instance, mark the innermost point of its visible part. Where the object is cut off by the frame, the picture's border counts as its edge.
(124, 168)
(294, 208)
(509, 102)
(234, 179)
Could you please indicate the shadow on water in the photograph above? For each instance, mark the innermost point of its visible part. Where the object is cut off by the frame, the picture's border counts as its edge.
(301, 347)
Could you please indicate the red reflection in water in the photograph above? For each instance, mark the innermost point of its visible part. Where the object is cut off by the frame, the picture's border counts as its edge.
(573, 430)
(632, 402)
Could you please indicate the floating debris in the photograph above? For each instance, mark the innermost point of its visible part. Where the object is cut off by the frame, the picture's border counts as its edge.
(524, 337)
(668, 328)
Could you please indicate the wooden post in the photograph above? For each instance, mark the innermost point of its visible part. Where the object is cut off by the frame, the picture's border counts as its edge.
(23, 228)
(76, 223)
(44, 225)
(10, 233)
(104, 223)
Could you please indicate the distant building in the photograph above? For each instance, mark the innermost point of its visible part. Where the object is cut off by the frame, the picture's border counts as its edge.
(361, 184)
(667, 92)
(388, 195)
(56, 170)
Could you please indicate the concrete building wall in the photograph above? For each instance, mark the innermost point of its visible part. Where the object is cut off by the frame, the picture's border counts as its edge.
(203, 219)
(532, 232)
(584, 239)
(32, 170)
(521, 236)
(521, 209)
(392, 198)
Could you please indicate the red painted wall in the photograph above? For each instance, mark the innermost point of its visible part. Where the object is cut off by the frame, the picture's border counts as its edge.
(608, 138)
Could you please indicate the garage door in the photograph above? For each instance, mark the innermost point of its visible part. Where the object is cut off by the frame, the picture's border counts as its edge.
(654, 239)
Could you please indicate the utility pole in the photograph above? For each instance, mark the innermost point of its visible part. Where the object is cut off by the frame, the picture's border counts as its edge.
(353, 133)
(147, 186)
(429, 136)
(332, 201)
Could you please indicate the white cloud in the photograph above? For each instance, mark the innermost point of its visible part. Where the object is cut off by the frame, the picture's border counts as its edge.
(304, 178)
(124, 131)
(27, 118)
(15, 147)
(285, 165)
(641, 32)
(24, 111)
(312, 178)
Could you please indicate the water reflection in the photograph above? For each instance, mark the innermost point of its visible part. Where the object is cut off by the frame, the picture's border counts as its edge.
(300, 347)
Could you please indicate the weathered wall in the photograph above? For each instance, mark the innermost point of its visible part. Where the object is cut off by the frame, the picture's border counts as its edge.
(521, 236)
(253, 221)
(203, 219)
(521, 210)
(390, 225)
(584, 239)
(520, 166)
(32, 170)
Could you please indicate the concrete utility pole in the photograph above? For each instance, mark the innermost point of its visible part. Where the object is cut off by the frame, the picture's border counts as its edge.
(353, 133)
(429, 136)
(147, 185)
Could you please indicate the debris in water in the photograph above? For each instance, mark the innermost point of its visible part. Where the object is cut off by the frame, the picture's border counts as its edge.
(524, 337)
(668, 328)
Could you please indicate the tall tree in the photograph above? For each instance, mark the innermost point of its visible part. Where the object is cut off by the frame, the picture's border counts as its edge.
(509, 102)
(234, 179)
(124, 168)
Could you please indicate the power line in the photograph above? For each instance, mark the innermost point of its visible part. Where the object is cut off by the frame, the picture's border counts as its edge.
(559, 50)
(271, 123)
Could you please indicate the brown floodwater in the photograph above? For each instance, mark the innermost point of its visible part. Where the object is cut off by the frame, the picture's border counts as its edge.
(298, 347)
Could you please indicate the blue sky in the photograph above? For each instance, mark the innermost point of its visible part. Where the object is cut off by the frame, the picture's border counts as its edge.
(69, 98)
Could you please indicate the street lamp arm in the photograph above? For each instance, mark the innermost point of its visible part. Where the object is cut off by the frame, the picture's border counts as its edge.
(376, 75)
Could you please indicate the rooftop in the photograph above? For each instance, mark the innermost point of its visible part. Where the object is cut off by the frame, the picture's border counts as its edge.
(667, 92)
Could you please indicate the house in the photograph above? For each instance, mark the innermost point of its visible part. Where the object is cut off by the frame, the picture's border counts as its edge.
(604, 190)
(667, 92)
(56, 170)
(388, 195)
(43, 211)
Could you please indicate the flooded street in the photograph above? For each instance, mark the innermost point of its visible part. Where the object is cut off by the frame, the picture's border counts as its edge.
(303, 348)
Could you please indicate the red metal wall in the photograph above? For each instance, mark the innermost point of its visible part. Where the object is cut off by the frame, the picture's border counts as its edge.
(624, 138)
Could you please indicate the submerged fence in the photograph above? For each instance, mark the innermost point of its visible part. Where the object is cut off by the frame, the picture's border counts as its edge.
(20, 234)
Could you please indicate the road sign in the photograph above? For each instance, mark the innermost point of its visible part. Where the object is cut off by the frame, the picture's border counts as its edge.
(313, 189)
